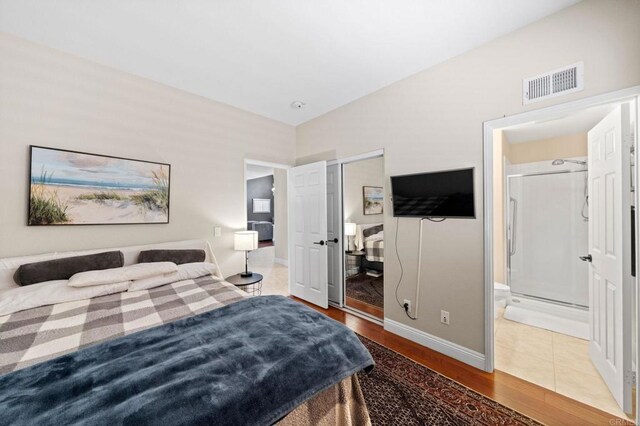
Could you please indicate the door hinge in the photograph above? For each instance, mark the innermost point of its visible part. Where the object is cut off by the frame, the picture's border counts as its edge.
(630, 377)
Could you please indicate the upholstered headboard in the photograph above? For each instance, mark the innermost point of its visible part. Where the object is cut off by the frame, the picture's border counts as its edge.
(9, 265)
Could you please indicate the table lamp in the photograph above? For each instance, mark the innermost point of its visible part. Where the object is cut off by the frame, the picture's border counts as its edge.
(245, 241)
(349, 231)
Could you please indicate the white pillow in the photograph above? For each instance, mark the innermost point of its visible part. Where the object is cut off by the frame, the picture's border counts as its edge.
(126, 273)
(186, 271)
(50, 293)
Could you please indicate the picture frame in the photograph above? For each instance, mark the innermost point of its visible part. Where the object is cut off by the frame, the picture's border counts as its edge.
(372, 200)
(72, 188)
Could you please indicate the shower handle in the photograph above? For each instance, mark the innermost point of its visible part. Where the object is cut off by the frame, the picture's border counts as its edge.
(586, 258)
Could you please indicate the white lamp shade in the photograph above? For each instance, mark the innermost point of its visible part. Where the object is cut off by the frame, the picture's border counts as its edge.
(245, 240)
(349, 229)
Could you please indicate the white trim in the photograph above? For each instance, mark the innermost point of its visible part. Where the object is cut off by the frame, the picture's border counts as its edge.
(543, 114)
(358, 157)
(416, 303)
(266, 164)
(359, 314)
(488, 249)
(453, 350)
(340, 208)
(561, 110)
(637, 239)
(279, 261)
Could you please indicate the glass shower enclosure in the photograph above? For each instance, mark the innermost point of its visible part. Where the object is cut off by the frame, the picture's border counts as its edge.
(547, 229)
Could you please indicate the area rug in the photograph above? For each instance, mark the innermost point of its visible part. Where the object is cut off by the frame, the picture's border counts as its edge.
(366, 289)
(401, 392)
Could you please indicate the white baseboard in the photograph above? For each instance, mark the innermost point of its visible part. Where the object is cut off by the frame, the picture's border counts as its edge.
(284, 262)
(468, 356)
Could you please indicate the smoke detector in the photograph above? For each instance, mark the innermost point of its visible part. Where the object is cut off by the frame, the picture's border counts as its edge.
(298, 104)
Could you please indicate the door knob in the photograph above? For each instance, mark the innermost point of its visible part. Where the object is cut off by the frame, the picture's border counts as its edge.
(321, 243)
(335, 240)
(586, 258)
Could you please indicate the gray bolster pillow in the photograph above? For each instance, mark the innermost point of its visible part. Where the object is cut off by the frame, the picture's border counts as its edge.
(65, 268)
(178, 257)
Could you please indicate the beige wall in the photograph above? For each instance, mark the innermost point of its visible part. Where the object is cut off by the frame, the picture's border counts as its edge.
(54, 99)
(280, 214)
(356, 175)
(433, 121)
(548, 149)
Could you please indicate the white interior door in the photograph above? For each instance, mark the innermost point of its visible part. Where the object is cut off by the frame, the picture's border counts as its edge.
(334, 232)
(610, 283)
(307, 206)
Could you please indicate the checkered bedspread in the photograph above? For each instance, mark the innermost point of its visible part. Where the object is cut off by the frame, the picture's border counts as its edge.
(39, 334)
(374, 251)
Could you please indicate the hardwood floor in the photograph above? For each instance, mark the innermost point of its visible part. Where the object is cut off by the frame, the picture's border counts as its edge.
(365, 307)
(534, 401)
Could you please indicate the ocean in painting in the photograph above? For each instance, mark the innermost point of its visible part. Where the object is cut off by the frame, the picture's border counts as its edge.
(69, 188)
(94, 184)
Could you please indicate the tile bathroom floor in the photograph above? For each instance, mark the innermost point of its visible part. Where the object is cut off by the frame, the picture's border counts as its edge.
(555, 361)
(276, 280)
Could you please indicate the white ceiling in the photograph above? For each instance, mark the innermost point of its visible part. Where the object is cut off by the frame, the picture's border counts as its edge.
(261, 55)
(580, 122)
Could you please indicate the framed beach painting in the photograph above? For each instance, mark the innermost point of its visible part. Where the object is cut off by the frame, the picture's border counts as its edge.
(78, 188)
(372, 199)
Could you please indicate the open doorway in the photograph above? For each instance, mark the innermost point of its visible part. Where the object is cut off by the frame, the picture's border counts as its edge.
(266, 212)
(363, 201)
(564, 298)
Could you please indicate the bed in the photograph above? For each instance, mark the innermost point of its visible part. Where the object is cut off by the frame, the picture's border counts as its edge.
(192, 351)
(370, 240)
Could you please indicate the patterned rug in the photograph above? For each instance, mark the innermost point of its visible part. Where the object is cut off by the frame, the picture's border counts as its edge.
(366, 289)
(401, 392)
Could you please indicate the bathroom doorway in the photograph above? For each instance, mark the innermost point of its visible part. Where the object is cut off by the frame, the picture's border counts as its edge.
(266, 213)
(563, 288)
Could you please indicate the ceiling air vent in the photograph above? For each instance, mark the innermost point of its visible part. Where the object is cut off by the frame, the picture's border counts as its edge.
(562, 81)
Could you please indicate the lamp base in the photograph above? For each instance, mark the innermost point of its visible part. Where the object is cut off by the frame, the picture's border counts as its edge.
(246, 274)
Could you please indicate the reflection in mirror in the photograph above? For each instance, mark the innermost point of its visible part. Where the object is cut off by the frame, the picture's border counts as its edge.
(363, 201)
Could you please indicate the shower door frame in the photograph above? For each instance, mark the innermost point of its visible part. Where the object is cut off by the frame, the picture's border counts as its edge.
(632, 95)
(508, 221)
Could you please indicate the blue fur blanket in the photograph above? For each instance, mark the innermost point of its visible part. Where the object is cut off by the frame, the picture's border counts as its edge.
(249, 363)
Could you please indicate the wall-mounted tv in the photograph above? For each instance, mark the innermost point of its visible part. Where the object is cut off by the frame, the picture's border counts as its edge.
(443, 194)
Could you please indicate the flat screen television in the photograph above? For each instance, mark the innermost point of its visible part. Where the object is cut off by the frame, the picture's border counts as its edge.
(444, 194)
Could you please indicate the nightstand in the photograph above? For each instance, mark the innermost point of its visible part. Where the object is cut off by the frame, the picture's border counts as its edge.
(251, 284)
(353, 262)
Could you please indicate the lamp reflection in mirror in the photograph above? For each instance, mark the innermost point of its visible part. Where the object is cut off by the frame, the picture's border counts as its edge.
(349, 232)
(245, 241)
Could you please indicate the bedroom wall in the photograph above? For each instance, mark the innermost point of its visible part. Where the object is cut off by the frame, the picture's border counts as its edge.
(54, 99)
(356, 175)
(433, 121)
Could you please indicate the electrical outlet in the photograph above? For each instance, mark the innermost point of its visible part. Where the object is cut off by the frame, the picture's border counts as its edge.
(444, 317)
(407, 302)
(217, 231)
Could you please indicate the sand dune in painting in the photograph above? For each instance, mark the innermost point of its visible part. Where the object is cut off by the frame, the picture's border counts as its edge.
(82, 209)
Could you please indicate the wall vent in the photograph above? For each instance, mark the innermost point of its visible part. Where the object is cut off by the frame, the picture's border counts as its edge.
(554, 83)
